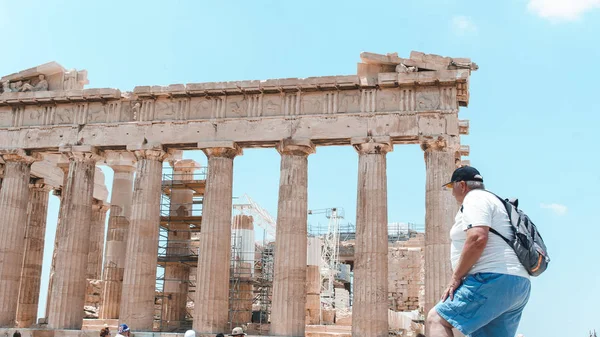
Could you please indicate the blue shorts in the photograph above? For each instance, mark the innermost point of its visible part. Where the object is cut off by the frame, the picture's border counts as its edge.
(487, 304)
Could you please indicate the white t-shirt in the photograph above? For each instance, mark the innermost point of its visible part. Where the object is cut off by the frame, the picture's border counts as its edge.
(481, 208)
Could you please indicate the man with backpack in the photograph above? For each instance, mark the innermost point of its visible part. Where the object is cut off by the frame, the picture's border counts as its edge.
(490, 285)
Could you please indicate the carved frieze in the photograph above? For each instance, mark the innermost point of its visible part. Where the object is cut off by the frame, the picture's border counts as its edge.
(349, 101)
(6, 113)
(146, 111)
(292, 104)
(272, 105)
(428, 99)
(218, 107)
(407, 100)
(368, 99)
(312, 104)
(254, 105)
(200, 108)
(172, 109)
(387, 100)
(81, 113)
(18, 115)
(97, 113)
(33, 115)
(113, 111)
(236, 107)
(65, 114)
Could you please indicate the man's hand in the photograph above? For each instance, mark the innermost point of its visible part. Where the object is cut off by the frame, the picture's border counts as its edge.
(449, 292)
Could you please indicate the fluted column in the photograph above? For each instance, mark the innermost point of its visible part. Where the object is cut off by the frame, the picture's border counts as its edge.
(59, 193)
(289, 280)
(14, 197)
(116, 239)
(242, 267)
(73, 236)
(94, 267)
(440, 210)
(176, 273)
(369, 313)
(212, 278)
(139, 281)
(31, 273)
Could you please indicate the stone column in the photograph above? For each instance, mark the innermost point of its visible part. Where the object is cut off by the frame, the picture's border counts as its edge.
(94, 266)
(116, 239)
(214, 254)
(242, 267)
(14, 197)
(370, 311)
(139, 281)
(69, 283)
(313, 281)
(288, 315)
(31, 273)
(58, 193)
(440, 210)
(177, 274)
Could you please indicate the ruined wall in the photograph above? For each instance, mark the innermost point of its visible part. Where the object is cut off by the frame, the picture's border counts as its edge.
(406, 274)
(93, 298)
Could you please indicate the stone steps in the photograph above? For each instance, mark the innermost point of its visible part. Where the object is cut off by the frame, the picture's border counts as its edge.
(98, 324)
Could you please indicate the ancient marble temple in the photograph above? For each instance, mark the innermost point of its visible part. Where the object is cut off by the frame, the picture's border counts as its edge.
(54, 133)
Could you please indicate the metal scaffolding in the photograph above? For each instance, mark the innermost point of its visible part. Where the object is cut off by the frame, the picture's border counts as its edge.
(251, 286)
(178, 246)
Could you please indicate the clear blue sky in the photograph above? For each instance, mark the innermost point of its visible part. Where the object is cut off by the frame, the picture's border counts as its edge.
(533, 107)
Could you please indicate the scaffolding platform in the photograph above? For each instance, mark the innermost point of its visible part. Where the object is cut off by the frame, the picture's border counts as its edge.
(198, 186)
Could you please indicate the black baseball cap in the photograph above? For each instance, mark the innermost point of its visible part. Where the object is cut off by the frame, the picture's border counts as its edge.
(464, 173)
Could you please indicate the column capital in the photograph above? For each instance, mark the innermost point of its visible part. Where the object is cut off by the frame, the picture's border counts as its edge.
(185, 165)
(429, 144)
(64, 167)
(19, 155)
(39, 184)
(372, 145)
(296, 147)
(120, 160)
(100, 206)
(148, 151)
(122, 168)
(225, 149)
(81, 153)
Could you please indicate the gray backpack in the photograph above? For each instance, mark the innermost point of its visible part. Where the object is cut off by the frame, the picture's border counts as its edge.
(527, 241)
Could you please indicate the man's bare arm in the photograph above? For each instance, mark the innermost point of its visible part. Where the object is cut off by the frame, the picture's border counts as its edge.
(475, 243)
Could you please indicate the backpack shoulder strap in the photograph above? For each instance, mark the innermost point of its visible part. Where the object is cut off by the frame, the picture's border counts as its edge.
(500, 235)
(508, 208)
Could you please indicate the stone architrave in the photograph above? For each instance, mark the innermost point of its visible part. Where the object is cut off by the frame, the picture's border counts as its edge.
(369, 312)
(175, 291)
(139, 281)
(14, 198)
(288, 313)
(440, 210)
(69, 283)
(116, 238)
(94, 267)
(214, 254)
(31, 273)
